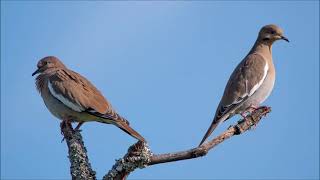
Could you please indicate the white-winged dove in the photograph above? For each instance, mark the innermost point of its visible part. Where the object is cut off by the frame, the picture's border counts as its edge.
(251, 82)
(71, 97)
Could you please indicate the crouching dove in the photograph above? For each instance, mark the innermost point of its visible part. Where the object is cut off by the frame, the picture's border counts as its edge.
(71, 97)
(251, 82)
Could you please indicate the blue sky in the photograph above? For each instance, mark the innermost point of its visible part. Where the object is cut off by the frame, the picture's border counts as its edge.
(163, 66)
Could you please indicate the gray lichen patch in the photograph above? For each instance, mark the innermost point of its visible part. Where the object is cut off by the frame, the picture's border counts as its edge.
(138, 156)
(80, 167)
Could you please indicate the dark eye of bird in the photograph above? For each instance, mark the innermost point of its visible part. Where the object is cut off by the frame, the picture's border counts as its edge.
(273, 32)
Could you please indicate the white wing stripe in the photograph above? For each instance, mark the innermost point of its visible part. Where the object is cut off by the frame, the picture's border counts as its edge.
(64, 100)
(255, 87)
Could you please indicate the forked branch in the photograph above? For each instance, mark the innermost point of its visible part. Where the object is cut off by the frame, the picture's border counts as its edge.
(140, 156)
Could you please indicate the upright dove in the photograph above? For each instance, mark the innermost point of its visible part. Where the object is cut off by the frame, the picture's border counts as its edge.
(72, 98)
(251, 82)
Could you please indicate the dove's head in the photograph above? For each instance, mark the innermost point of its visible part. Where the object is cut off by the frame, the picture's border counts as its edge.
(271, 33)
(49, 62)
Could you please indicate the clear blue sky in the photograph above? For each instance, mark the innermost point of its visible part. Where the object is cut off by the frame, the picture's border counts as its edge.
(163, 66)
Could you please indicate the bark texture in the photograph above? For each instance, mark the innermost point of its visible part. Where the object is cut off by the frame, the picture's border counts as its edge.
(80, 168)
(139, 154)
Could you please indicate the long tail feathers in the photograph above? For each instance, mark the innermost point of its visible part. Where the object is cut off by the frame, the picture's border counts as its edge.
(126, 128)
(115, 119)
(212, 127)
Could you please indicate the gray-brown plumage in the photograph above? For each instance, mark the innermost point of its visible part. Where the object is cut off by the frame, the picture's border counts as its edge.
(71, 97)
(252, 80)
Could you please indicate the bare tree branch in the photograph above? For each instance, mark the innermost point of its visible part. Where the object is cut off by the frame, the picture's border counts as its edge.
(80, 168)
(140, 156)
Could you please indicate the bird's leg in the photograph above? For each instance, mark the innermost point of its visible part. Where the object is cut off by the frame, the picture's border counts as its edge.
(78, 126)
(250, 109)
(63, 124)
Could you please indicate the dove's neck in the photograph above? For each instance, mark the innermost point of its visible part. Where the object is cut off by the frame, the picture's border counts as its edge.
(262, 48)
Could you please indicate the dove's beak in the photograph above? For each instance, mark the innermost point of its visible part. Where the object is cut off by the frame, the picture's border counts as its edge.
(36, 72)
(284, 38)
